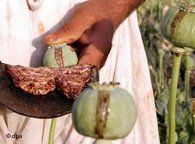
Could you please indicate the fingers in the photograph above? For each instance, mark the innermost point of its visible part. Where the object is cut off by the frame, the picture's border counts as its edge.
(91, 55)
(100, 40)
(78, 22)
(91, 31)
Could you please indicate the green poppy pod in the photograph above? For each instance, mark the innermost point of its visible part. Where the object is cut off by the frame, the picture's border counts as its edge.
(104, 111)
(178, 26)
(60, 56)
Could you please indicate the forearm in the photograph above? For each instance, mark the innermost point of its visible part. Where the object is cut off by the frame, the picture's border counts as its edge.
(123, 8)
(118, 10)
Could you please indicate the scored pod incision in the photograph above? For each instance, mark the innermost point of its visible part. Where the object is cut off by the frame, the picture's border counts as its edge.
(60, 55)
(104, 111)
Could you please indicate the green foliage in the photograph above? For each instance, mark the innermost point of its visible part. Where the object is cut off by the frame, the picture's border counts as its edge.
(160, 64)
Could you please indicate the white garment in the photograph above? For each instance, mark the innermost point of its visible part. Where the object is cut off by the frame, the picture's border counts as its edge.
(21, 32)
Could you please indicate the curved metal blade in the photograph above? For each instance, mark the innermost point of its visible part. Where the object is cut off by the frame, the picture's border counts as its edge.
(51, 105)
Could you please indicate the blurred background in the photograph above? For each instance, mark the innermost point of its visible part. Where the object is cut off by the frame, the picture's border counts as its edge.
(160, 64)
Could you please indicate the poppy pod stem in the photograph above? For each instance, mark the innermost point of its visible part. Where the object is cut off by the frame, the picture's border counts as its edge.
(192, 110)
(188, 66)
(52, 130)
(161, 53)
(177, 55)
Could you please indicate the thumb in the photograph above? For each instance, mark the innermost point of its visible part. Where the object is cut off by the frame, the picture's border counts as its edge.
(74, 27)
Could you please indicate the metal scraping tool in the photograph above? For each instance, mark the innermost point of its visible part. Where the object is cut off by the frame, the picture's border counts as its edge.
(52, 105)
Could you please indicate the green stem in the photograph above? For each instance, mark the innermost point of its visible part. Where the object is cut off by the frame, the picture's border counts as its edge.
(177, 55)
(189, 67)
(161, 72)
(156, 80)
(166, 122)
(193, 117)
(187, 76)
(52, 130)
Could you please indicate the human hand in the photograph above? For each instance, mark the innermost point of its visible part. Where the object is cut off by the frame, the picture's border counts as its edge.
(90, 29)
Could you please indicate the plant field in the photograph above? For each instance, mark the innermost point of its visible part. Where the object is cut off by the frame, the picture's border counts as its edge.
(160, 62)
